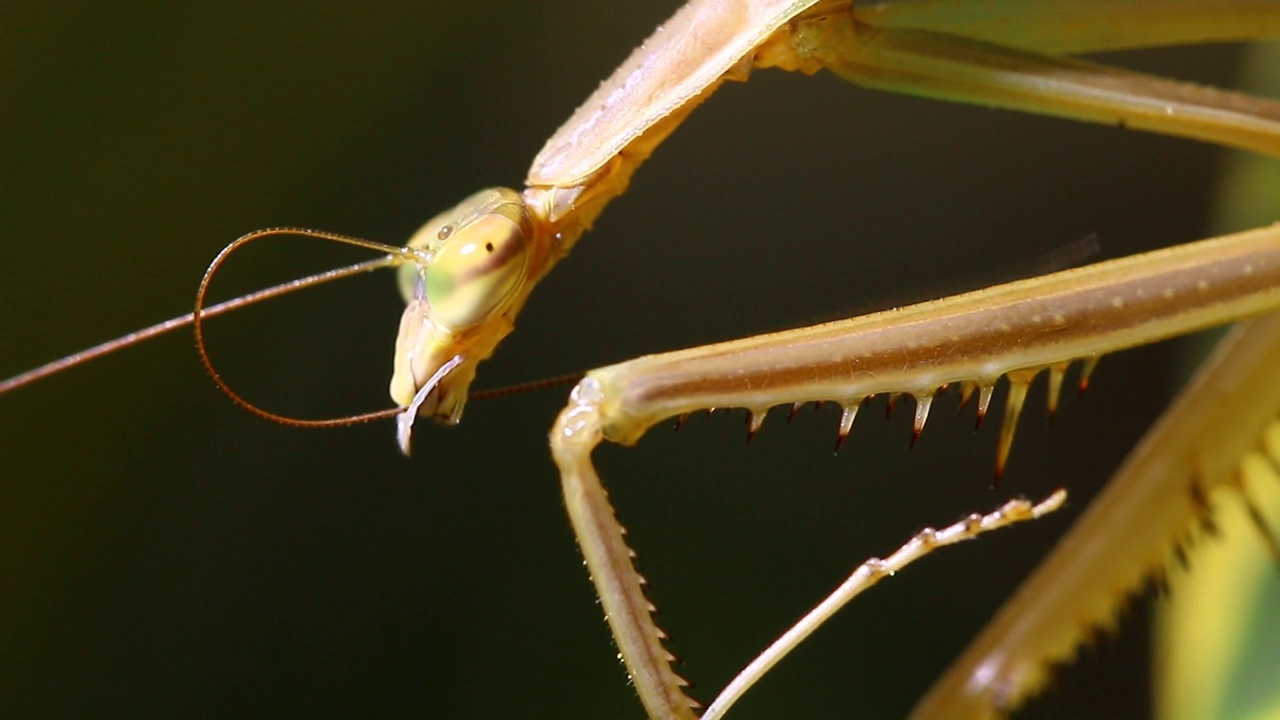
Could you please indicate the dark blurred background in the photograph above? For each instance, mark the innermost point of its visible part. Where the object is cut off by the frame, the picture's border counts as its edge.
(163, 553)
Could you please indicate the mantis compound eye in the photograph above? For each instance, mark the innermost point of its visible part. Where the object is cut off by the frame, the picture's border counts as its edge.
(476, 271)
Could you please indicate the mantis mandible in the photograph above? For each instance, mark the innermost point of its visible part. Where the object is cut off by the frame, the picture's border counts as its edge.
(283, 495)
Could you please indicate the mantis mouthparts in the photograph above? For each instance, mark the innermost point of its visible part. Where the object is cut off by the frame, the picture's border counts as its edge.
(404, 421)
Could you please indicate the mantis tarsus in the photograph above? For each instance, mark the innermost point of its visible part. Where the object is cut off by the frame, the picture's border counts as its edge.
(261, 625)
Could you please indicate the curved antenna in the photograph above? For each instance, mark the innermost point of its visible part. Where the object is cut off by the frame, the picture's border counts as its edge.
(133, 338)
(394, 256)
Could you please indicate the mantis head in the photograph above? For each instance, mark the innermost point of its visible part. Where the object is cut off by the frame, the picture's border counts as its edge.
(473, 270)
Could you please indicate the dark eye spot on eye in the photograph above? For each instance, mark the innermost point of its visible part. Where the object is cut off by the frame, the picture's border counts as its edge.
(445, 232)
(488, 247)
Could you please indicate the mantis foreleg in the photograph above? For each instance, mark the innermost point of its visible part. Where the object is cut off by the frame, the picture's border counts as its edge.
(970, 340)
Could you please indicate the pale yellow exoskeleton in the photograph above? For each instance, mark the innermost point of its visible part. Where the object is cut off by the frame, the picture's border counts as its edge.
(1018, 330)
(569, 187)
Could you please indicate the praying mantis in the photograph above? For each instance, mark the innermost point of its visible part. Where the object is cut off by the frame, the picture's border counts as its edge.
(171, 582)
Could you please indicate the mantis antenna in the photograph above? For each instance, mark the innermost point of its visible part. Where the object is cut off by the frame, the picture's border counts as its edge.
(393, 258)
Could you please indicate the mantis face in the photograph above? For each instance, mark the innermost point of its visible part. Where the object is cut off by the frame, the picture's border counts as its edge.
(461, 296)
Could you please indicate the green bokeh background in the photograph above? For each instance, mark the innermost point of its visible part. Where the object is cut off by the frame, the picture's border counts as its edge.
(165, 554)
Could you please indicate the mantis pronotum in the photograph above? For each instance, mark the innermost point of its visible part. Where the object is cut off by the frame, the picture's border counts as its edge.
(260, 639)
